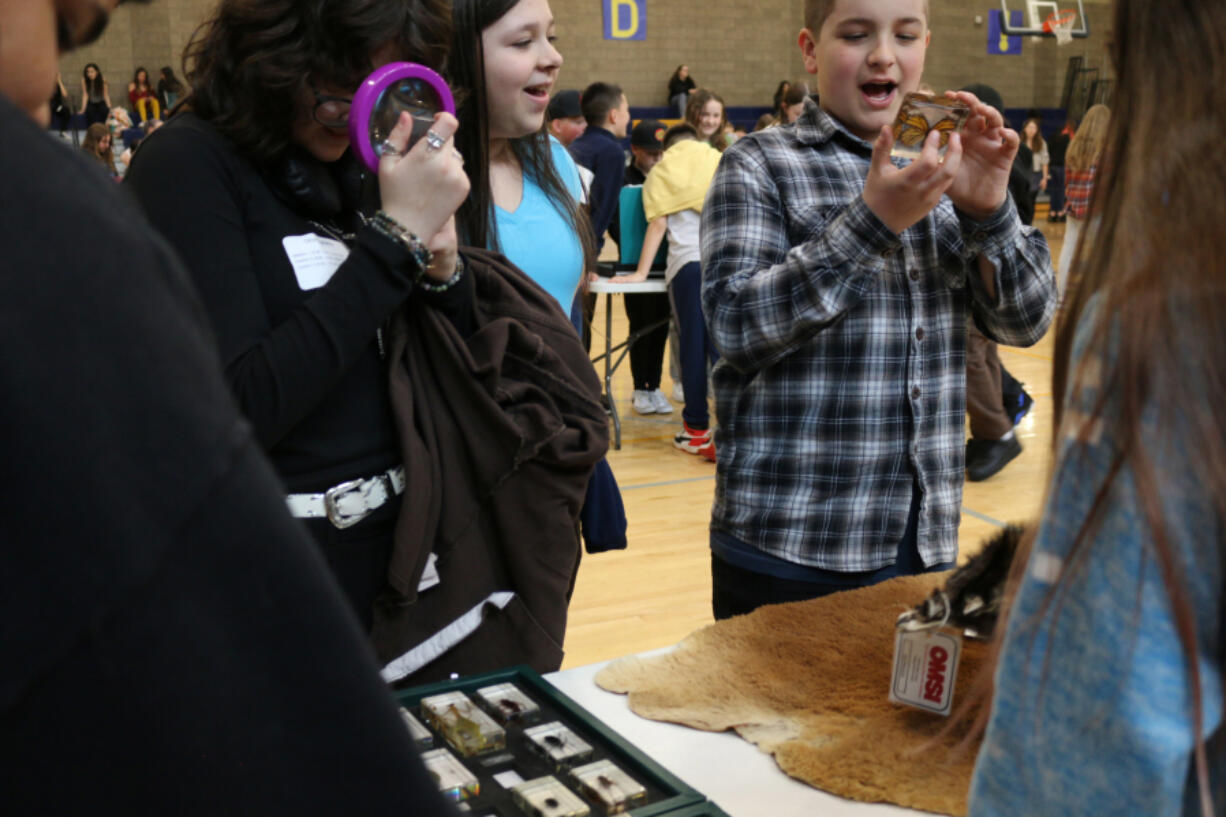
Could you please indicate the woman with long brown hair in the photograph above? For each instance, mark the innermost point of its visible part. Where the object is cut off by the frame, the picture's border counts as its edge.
(1081, 165)
(1109, 685)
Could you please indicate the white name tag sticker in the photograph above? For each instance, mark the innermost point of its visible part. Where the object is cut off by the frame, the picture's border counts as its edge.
(314, 258)
(925, 669)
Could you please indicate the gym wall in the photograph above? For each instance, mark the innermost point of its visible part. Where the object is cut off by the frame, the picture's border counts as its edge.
(741, 49)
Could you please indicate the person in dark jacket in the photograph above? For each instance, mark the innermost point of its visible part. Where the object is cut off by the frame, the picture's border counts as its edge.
(300, 259)
(157, 602)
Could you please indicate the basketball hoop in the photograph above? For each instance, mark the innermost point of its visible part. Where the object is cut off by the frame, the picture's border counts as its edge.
(1061, 25)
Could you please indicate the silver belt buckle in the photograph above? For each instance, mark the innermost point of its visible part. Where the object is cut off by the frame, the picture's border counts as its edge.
(334, 494)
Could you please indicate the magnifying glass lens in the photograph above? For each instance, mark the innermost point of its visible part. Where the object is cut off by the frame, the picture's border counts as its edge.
(415, 96)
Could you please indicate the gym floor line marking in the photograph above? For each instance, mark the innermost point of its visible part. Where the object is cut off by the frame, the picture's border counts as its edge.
(983, 517)
(669, 482)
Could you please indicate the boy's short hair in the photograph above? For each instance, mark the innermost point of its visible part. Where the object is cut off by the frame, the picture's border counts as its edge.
(678, 132)
(598, 100)
(816, 12)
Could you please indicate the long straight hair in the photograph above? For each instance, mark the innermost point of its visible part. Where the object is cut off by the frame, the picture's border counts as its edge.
(1155, 271)
(97, 84)
(466, 73)
(1090, 140)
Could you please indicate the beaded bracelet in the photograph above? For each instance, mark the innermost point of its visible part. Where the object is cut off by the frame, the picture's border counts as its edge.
(445, 285)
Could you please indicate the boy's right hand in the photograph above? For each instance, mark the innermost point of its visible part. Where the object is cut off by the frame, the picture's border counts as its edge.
(902, 196)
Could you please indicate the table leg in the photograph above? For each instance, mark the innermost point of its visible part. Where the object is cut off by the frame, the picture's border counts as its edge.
(608, 370)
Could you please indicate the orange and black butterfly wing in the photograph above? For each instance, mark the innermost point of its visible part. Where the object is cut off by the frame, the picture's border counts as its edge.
(911, 130)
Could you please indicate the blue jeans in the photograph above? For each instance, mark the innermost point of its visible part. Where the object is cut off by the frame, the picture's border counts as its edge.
(736, 591)
(696, 348)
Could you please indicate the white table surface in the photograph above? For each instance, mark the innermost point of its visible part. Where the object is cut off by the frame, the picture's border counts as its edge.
(612, 285)
(732, 772)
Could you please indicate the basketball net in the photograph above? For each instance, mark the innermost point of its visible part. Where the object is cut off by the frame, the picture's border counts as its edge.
(1061, 25)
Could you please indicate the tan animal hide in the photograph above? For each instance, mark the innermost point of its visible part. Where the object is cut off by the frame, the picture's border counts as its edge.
(808, 683)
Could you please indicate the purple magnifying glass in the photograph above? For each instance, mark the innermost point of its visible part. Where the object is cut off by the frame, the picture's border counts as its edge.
(391, 90)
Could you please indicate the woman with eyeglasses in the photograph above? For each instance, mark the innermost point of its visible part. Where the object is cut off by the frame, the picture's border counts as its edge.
(300, 256)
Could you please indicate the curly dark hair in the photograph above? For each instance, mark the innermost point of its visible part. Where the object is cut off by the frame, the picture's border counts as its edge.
(251, 61)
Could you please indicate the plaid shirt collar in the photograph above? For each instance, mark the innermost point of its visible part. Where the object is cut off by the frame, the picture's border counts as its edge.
(816, 127)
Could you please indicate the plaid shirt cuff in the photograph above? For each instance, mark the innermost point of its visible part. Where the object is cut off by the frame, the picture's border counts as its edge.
(863, 239)
(995, 235)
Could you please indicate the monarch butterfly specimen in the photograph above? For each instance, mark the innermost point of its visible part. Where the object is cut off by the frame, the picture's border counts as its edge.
(921, 114)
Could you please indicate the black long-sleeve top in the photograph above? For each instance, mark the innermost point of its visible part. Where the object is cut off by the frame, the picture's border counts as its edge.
(305, 365)
(677, 85)
(148, 556)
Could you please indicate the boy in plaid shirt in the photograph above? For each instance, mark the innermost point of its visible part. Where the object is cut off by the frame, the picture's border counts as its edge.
(836, 287)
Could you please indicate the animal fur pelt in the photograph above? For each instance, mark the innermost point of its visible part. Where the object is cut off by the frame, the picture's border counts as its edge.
(808, 683)
(970, 599)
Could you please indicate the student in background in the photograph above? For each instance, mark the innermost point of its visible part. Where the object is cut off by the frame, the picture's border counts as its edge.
(1082, 165)
(170, 89)
(680, 86)
(673, 197)
(95, 94)
(97, 146)
(706, 115)
(1040, 158)
(564, 117)
(144, 101)
(645, 308)
(1109, 675)
(995, 400)
(599, 149)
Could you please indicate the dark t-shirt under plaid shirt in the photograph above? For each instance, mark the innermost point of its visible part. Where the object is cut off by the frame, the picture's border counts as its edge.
(841, 381)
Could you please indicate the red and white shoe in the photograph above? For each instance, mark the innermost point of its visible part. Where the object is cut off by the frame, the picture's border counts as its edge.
(696, 441)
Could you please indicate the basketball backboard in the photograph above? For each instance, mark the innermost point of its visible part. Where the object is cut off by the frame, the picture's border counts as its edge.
(1037, 12)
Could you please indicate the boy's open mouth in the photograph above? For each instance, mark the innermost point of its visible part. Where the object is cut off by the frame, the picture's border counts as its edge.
(878, 93)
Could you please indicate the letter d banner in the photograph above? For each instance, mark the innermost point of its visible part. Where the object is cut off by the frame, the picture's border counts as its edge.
(625, 19)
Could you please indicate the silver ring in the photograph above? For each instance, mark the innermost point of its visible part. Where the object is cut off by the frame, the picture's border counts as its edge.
(386, 148)
(434, 141)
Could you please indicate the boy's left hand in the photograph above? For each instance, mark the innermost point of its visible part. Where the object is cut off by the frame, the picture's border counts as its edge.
(988, 148)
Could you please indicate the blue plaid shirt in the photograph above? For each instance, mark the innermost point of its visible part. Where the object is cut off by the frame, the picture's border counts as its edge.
(842, 373)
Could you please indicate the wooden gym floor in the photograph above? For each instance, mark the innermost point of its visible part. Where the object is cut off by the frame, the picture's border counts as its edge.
(658, 590)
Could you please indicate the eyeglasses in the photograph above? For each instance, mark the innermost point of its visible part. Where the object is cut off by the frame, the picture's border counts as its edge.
(331, 111)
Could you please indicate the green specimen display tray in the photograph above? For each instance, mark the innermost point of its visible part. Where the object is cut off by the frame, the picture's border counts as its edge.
(523, 754)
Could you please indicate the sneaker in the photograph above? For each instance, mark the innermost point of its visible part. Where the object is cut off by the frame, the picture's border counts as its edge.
(660, 402)
(1018, 406)
(985, 458)
(696, 441)
(643, 402)
(678, 392)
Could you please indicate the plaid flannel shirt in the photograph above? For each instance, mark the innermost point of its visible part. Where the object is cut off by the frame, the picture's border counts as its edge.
(1078, 188)
(842, 377)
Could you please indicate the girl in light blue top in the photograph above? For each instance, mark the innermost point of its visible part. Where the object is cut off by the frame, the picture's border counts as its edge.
(525, 186)
(1110, 682)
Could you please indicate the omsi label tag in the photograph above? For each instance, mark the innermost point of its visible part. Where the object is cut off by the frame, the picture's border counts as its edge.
(925, 668)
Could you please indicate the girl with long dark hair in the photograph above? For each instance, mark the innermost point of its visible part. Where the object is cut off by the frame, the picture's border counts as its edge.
(140, 94)
(525, 191)
(1109, 684)
(95, 95)
(680, 86)
(170, 89)
(299, 258)
(525, 186)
